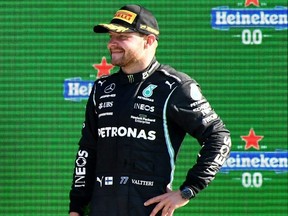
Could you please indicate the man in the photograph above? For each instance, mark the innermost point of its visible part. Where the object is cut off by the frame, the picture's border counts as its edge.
(136, 120)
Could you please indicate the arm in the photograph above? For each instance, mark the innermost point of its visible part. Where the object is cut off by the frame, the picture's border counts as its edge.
(193, 114)
(84, 168)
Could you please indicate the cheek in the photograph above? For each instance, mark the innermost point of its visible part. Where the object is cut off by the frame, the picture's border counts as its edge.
(138, 51)
(139, 47)
(133, 48)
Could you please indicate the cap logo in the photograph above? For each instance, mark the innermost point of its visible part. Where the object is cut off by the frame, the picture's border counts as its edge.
(125, 15)
(149, 29)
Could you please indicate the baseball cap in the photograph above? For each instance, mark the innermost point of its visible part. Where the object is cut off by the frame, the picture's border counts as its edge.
(131, 18)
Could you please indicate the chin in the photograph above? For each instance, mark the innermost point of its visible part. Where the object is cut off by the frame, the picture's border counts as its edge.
(117, 63)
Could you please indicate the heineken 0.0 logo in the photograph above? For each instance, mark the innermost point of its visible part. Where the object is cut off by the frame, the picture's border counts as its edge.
(252, 19)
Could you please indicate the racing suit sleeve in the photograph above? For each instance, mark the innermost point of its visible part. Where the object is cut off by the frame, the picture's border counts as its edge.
(84, 168)
(190, 110)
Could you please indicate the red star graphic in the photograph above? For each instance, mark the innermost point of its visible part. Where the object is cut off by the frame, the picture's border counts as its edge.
(252, 140)
(103, 68)
(249, 2)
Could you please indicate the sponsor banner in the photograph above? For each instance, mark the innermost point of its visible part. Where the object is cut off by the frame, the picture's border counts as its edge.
(224, 18)
(253, 19)
(248, 161)
(76, 89)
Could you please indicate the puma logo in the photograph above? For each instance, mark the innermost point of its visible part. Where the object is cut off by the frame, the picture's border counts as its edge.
(169, 84)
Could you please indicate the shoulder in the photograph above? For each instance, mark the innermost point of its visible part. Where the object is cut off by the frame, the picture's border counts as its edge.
(187, 87)
(106, 78)
(172, 73)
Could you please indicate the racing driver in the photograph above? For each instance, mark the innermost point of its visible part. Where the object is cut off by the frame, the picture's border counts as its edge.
(135, 122)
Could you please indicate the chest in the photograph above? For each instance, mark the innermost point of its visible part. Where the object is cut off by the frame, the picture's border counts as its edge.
(140, 104)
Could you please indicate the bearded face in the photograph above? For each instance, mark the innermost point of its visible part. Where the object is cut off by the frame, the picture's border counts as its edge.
(126, 48)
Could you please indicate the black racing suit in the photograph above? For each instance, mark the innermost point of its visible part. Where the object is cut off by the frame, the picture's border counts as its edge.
(133, 129)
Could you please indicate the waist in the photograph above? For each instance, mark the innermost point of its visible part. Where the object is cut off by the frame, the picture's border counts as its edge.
(126, 179)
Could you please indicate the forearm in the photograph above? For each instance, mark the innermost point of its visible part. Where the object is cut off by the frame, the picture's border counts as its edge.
(83, 180)
(214, 152)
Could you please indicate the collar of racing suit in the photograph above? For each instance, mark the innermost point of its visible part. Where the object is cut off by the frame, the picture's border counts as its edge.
(141, 75)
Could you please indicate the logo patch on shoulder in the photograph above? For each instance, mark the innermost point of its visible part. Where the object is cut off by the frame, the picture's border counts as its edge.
(195, 92)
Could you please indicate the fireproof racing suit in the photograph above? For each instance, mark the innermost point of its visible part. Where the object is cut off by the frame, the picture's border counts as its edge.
(133, 129)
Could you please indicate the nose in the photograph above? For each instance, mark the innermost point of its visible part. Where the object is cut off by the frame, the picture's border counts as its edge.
(112, 42)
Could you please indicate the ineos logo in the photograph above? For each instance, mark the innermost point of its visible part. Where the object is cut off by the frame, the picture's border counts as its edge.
(108, 89)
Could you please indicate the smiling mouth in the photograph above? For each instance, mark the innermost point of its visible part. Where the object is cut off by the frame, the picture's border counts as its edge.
(116, 51)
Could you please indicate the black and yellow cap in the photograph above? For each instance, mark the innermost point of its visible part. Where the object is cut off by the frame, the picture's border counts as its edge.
(131, 18)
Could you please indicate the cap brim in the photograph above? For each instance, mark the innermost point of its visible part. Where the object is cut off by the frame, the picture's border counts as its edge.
(104, 28)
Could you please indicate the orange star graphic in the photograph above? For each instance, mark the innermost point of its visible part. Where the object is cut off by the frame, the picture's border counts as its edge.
(252, 140)
(103, 68)
(254, 2)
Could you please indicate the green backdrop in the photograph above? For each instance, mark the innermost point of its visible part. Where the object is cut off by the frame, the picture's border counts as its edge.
(241, 66)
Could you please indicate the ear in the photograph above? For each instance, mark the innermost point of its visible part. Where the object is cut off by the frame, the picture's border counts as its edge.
(150, 40)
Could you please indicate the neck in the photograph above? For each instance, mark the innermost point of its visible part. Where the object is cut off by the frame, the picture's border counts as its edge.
(138, 66)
